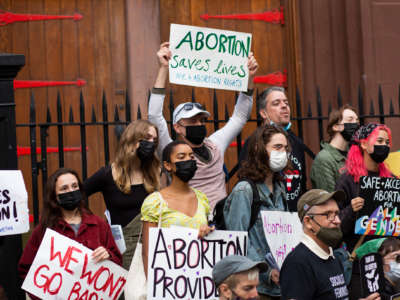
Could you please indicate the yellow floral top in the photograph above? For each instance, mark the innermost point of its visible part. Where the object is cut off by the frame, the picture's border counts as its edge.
(171, 217)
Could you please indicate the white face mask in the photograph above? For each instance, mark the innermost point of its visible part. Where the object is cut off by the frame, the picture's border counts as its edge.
(394, 273)
(278, 160)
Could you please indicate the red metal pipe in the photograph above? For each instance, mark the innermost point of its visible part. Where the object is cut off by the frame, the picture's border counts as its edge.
(277, 78)
(27, 150)
(275, 16)
(7, 17)
(21, 84)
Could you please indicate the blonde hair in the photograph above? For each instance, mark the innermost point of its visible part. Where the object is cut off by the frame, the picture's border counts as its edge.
(233, 279)
(126, 156)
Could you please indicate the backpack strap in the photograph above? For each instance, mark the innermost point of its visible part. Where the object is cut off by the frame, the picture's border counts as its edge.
(255, 204)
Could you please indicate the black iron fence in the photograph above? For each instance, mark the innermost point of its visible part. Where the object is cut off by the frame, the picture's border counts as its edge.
(118, 124)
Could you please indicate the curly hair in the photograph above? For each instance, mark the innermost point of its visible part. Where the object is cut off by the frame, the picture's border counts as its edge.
(52, 212)
(256, 167)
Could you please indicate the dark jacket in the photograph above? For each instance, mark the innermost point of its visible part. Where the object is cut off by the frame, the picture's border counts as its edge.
(295, 179)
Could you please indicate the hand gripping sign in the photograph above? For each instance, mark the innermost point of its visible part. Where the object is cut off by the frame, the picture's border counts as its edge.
(283, 231)
(208, 57)
(63, 269)
(14, 214)
(180, 264)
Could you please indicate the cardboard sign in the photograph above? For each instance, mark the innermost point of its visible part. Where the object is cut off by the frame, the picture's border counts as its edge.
(372, 276)
(14, 213)
(208, 57)
(63, 269)
(283, 231)
(379, 216)
(180, 264)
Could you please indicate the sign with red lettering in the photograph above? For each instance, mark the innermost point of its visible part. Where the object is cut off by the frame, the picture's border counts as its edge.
(14, 213)
(63, 269)
(180, 264)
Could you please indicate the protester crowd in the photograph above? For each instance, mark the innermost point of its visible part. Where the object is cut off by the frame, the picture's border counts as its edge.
(272, 177)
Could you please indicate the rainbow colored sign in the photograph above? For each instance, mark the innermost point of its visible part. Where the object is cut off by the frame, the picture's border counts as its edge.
(380, 222)
(382, 202)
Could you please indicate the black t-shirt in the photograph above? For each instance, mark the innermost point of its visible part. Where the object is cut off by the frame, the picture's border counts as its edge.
(123, 207)
(295, 179)
(305, 276)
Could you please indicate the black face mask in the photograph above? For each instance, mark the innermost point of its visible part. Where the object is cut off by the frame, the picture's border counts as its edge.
(186, 169)
(348, 130)
(146, 150)
(380, 153)
(329, 236)
(196, 134)
(70, 200)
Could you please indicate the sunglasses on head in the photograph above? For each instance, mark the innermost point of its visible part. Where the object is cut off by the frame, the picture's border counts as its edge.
(189, 106)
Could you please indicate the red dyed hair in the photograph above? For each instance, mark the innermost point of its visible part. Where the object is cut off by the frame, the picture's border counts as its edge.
(355, 165)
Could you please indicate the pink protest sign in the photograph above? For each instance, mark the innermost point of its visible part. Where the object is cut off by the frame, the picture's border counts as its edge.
(283, 231)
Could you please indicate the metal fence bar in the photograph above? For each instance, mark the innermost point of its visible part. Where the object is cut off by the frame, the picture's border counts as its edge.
(60, 124)
(60, 133)
(83, 136)
(34, 163)
(105, 130)
(43, 147)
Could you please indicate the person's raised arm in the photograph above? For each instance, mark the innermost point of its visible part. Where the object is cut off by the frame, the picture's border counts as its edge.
(224, 136)
(156, 103)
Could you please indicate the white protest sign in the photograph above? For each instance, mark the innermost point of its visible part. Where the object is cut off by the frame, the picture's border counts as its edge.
(283, 231)
(208, 57)
(14, 213)
(63, 269)
(180, 264)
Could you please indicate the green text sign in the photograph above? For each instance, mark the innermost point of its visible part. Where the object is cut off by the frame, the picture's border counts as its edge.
(208, 57)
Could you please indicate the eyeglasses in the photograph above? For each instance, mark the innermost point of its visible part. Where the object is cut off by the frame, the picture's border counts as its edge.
(331, 216)
(189, 106)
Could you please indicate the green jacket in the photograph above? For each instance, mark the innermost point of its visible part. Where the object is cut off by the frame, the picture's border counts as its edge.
(325, 168)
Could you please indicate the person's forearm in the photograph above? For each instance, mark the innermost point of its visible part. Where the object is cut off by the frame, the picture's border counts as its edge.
(224, 136)
(161, 78)
(155, 115)
(250, 84)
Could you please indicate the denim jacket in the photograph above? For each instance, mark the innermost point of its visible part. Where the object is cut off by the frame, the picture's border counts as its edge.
(237, 217)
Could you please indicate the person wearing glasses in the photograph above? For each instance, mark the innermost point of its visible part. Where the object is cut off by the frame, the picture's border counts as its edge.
(268, 160)
(370, 147)
(389, 250)
(189, 123)
(274, 109)
(311, 271)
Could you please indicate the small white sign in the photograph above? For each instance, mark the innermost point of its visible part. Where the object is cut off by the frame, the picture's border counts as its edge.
(180, 264)
(63, 269)
(208, 57)
(14, 213)
(283, 231)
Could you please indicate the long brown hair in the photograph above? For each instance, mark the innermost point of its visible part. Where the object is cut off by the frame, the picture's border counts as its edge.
(256, 167)
(126, 156)
(52, 212)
